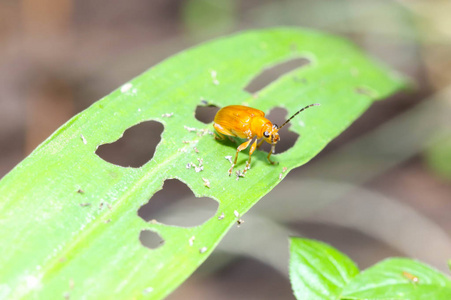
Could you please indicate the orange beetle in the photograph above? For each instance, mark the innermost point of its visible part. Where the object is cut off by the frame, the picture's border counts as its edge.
(248, 123)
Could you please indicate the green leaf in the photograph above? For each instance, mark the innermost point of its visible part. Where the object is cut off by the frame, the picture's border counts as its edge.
(318, 271)
(399, 278)
(52, 246)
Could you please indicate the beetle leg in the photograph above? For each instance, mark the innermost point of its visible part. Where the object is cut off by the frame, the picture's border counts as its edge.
(219, 136)
(253, 147)
(260, 143)
(240, 148)
(270, 161)
(221, 133)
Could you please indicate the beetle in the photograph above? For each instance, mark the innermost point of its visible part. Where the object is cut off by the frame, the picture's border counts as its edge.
(250, 124)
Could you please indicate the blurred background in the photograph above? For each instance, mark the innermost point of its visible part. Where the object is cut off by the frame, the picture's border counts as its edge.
(381, 189)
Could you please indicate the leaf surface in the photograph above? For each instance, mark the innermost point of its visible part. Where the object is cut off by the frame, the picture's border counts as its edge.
(318, 271)
(399, 278)
(51, 245)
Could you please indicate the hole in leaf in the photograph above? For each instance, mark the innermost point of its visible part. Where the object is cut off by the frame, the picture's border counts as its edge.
(268, 75)
(150, 239)
(288, 138)
(176, 205)
(206, 114)
(135, 148)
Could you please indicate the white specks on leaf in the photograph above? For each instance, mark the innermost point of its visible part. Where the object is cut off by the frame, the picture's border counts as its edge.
(83, 139)
(213, 74)
(196, 168)
(229, 158)
(284, 169)
(200, 132)
(126, 87)
(239, 174)
(168, 115)
(191, 240)
(201, 161)
(221, 216)
(190, 129)
(203, 250)
(148, 290)
(237, 215)
(32, 282)
(206, 182)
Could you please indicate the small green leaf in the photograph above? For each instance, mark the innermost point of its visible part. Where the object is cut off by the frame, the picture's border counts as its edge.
(318, 271)
(399, 278)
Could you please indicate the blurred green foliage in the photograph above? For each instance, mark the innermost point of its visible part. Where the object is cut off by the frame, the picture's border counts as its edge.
(318, 271)
(438, 155)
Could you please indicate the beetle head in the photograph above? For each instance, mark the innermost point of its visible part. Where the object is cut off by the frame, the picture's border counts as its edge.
(271, 135)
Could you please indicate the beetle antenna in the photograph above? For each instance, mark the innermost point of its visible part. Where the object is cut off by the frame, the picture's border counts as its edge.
(314, 104)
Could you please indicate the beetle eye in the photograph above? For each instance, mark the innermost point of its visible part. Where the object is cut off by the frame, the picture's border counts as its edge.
(275, 126)
(266, 134)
